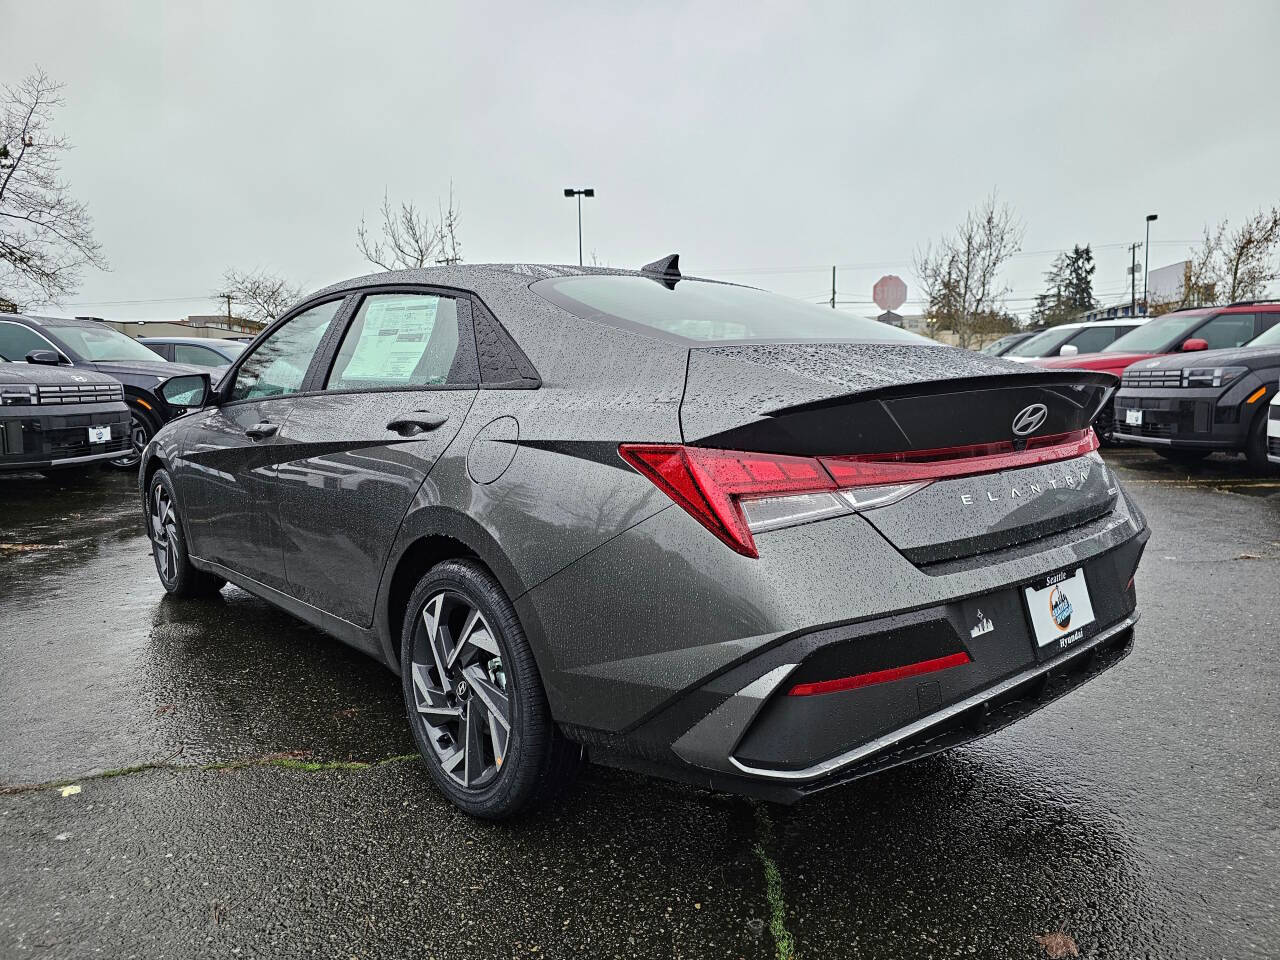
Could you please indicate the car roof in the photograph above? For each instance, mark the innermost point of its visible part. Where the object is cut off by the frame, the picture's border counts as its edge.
(482, 278)
(1106, 322)
(198, 341)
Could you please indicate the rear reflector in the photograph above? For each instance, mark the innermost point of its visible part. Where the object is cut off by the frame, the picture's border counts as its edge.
(878, 676)
(735, 494)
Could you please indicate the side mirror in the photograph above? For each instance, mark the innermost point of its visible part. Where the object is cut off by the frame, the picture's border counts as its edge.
(1194, 344)
(187, 390)
(1068, 350)
(48, 358)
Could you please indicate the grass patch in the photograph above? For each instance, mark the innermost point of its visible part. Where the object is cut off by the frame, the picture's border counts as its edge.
(784, 943)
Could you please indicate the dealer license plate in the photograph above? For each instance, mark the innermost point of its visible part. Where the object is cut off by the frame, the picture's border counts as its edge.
(1133, 418)
(1060, 610)
(99, 434)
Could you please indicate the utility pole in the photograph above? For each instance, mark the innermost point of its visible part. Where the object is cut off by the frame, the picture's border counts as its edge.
(833, 287)
(227, 297)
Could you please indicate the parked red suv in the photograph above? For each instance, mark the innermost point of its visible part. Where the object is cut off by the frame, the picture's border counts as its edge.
(1198, 328)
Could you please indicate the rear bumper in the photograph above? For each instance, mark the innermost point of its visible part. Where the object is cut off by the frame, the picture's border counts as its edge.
(40, 438)
(682, 659)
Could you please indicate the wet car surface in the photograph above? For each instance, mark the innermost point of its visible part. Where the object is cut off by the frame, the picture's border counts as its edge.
(247, 783)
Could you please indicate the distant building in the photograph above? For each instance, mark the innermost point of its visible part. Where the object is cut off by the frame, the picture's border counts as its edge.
(1166, 284)
(8, 306)
(217, 326)
(1126, 309)
(913, 323)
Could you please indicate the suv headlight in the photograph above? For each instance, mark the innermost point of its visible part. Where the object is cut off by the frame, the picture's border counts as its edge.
(17, 394)
(1211, 376)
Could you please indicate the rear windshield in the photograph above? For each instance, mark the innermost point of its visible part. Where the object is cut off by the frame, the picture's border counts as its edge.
(1156, 335)
(1042, 344)
(705, 312)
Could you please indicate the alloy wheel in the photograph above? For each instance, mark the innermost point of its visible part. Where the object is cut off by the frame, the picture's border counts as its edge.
(164, 530)
(460, 689)
(139, 437)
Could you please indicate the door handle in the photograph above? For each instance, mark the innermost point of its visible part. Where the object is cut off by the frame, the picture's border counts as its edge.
(260, 431)
(419, 421)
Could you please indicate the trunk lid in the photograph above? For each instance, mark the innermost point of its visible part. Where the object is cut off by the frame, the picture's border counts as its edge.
(919, 403)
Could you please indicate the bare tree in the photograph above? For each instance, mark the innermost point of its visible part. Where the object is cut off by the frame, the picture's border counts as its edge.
(1231, 265)
(46, 235)
(262, 296)
(960, 275)
(410, 238)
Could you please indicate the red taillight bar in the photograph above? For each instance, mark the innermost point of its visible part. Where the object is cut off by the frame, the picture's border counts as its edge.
(710, 484)
(878, 676)
(866, 469)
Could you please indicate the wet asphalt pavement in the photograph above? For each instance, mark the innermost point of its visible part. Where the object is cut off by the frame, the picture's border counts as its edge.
(247, 786)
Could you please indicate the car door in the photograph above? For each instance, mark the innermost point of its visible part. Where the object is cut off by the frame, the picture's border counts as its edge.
(198, 356)
(1092, 339)
(402, 377)
(1227, 330)
(227, 482)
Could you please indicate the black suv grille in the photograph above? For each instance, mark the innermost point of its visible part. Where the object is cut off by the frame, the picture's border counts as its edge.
(1152, 378)
(80, 393)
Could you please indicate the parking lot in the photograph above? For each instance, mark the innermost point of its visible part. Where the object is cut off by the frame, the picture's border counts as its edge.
(248, 787)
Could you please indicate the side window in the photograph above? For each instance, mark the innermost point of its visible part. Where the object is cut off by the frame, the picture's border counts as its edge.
(279, 364)
(401, 340)
(1093, 339)
(16, 341)
(197, 355)
(1227, 330)
(1269, 320)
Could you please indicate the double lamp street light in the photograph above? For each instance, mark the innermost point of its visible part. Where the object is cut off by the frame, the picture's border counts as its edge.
(579, 193)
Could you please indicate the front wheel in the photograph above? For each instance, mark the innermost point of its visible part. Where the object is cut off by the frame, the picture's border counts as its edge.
(1255, 450)
(140, 433)
(475, 700)
(169, 544)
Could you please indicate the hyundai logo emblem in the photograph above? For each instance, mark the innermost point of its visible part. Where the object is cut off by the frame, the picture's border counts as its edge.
(1030, 419)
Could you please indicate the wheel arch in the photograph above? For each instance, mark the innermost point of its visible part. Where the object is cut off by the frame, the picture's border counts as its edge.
(427, 538)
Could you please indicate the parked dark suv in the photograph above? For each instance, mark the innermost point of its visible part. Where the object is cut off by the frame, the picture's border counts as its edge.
(89, 344)
(1187, 405)
(58, 420)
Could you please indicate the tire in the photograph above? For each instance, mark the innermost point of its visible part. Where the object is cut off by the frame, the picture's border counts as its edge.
(1255, 448)
(454, 696)
(169, 544)
(141, 430)
(1182, 454)
(1104, 425)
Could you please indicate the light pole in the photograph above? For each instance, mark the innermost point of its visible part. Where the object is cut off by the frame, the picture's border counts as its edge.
(1146, 263)
(579, 193)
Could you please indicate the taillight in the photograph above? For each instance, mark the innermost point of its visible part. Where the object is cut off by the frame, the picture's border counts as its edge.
(735, 493)
(712, 484)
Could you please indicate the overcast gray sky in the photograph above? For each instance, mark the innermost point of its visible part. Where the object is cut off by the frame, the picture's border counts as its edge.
(763, 142)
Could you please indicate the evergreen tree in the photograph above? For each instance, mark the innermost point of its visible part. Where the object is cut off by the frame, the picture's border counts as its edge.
(1069, 288)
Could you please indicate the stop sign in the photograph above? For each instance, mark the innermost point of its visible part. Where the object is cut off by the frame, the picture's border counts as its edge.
(889, 293)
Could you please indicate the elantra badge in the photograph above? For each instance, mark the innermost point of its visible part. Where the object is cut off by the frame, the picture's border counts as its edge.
(1030, 419)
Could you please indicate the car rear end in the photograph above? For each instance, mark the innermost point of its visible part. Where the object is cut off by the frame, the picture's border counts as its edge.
(50, 419)
(874, 552)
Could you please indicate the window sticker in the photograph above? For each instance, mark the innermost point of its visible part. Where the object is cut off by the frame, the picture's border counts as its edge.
(393, 338)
